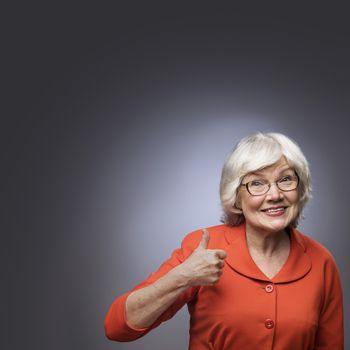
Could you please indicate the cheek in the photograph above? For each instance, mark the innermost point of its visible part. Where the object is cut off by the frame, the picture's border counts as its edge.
(253, 203)
(293, 198)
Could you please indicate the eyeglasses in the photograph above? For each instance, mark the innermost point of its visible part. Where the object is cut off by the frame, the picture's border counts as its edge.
(260, 187)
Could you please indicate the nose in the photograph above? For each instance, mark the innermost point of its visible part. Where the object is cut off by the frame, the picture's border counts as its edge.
(274, 192)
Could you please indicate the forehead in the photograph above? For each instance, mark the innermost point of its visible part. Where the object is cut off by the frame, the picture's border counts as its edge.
(276, 168)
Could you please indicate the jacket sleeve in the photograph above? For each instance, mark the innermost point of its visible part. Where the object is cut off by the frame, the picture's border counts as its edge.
(116, 326)
(330, 334)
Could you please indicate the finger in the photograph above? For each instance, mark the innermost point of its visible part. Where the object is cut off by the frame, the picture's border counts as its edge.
(220, 264)
(220, 253)
(203, 244)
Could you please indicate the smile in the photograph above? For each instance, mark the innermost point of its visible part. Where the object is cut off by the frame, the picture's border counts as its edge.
(275, 211)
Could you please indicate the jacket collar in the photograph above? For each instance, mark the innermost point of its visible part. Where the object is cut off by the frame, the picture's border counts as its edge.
(238, 257)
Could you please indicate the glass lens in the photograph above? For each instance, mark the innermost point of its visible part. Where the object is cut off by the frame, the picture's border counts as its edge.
(260, 187)
(288, 183)
(257, 187)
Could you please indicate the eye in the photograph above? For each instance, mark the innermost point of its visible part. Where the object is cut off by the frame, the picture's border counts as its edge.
(286, 178)
(257, 183)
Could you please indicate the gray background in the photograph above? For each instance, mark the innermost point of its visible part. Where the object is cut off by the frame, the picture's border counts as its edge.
(117, 123)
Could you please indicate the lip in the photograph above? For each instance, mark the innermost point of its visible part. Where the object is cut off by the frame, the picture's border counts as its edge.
(275, 213)
(275, 207)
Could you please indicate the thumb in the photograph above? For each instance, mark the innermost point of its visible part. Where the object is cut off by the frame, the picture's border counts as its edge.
(203, 244)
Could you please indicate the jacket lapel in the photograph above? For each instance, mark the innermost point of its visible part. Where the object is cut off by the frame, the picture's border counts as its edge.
(238, 258)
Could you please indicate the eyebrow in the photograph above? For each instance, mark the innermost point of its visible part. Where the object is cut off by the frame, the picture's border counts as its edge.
(258, 173)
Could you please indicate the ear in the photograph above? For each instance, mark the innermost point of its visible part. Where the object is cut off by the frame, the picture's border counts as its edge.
(237, 207)
(236, 210)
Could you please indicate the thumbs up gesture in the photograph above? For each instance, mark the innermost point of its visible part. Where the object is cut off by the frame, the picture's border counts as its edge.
(203, 266)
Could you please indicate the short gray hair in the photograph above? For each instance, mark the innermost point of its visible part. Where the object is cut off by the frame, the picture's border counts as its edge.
(256, 152)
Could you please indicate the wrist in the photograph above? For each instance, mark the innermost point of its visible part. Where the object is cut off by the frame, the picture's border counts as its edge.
(178, 274)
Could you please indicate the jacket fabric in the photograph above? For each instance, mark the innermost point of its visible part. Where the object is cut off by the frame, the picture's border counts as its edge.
(300, 308)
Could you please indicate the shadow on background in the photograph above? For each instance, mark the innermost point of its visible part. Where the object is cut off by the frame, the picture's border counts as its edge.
(117, 123)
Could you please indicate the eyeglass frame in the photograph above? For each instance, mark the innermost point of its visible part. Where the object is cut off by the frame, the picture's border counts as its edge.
(269, 186)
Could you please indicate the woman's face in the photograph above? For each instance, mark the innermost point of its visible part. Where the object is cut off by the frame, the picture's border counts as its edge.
(284, 206)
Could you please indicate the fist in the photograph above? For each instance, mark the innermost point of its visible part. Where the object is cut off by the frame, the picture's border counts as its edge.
(204, 266)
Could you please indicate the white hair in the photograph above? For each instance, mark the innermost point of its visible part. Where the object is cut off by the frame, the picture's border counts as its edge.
(254, 153)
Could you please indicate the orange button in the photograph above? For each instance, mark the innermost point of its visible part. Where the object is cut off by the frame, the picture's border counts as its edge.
(269, 288)
(269, 323)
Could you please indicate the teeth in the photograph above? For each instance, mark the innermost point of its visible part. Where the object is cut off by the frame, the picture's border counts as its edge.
(274, 210)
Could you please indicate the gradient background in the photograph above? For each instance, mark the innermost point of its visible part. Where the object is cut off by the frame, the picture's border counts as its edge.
(117, 123)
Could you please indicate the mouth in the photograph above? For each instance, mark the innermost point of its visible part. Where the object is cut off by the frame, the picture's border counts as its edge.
(275, 211)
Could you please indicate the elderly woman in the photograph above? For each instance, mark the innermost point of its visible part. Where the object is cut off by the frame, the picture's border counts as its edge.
(254, 282)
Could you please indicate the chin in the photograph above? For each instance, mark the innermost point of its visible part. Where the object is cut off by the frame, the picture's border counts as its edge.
(279, 224)
(276, 226)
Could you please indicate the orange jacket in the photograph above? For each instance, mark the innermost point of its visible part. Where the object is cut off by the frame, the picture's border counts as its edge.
(301, 308)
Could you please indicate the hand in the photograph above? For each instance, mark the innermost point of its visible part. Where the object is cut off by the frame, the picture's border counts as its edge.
(204, 266)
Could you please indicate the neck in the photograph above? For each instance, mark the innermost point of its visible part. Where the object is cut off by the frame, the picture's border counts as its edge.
(266, 243)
